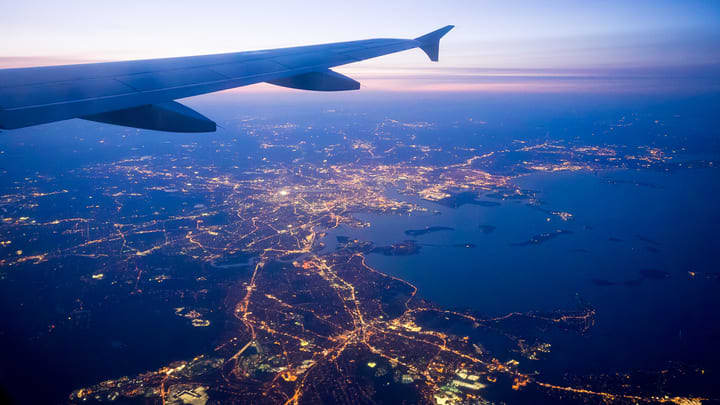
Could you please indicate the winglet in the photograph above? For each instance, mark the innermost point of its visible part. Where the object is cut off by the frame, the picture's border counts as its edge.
(430, 43)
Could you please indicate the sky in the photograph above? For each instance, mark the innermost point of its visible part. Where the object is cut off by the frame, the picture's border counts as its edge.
(566, 38)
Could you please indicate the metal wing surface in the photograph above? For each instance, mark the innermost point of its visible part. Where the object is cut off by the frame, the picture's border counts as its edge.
(141, 93)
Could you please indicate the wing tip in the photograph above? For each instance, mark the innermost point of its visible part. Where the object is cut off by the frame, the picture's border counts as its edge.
(430, 42)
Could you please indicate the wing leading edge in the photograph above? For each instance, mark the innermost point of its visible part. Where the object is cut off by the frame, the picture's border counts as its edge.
(141, 93)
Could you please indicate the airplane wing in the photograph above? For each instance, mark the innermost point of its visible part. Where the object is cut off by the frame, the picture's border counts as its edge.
(141, 93)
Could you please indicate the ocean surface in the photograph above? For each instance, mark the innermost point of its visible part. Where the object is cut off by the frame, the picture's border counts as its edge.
(635, 237)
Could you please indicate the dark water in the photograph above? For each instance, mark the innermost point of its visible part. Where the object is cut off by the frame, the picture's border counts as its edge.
(667, 226)
(116, 334)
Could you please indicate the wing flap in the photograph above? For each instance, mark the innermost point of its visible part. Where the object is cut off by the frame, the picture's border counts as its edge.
(51, 93)
(375, 51)
(171, 78)
(168, 117)
(327, 58)
(236, 70)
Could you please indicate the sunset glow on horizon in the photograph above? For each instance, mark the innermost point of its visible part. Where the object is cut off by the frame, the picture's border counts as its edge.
(532, 48)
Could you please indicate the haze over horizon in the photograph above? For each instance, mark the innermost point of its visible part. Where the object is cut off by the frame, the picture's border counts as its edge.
(514, 46)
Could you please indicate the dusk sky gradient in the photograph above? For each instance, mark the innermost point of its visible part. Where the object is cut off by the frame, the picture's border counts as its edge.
(566, 38)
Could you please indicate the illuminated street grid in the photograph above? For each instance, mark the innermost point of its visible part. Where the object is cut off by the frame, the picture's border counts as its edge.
(309, 326)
